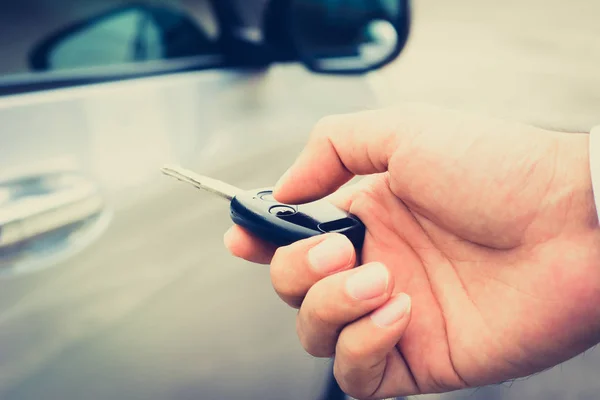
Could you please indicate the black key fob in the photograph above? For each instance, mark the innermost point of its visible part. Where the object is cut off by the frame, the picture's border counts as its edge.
(282, 224)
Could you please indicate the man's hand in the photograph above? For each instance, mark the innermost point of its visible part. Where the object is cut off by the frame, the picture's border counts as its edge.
(481, 261)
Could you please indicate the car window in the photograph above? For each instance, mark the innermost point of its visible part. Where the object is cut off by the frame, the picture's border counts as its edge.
(42, 36)
(128, 36)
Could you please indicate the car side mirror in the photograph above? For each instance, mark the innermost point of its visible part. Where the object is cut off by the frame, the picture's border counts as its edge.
(348, 36)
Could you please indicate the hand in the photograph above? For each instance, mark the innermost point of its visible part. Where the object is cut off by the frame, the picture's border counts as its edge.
(481, 261)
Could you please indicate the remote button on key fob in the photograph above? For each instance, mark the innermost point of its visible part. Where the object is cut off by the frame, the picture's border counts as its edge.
(284, 224)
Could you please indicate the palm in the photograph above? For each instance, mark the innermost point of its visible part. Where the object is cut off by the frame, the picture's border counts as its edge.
(473, 302)
(489, 227)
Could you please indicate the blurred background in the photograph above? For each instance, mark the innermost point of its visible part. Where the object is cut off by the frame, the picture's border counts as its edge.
(528, 60)
(114, 282)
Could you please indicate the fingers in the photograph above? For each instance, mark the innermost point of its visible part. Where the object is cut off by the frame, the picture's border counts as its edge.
(297, 267)
(339, 148)
(244, 245)
(366, 349)
(338, 300)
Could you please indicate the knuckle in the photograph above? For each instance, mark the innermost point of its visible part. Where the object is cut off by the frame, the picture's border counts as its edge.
(317, 316)
(289, 294)
(318, 334)
(345, 381)
(317, 309)
(315, 348)
(352, 351)
(324, 126)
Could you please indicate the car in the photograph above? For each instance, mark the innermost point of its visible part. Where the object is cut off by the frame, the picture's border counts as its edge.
(114, 279)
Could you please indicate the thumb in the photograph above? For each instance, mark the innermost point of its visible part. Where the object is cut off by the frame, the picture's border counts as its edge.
(367, 362)
(339, 148)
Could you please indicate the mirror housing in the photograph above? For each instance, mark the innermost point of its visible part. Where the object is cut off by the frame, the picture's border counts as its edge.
(348, 36)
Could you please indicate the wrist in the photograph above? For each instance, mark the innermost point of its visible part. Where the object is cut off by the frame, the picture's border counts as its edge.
(581, 245)
(573, 181)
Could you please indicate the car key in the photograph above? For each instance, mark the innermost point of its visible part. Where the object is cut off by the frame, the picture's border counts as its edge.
(281, 224)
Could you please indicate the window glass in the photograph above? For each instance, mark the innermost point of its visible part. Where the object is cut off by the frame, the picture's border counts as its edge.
(50, 35)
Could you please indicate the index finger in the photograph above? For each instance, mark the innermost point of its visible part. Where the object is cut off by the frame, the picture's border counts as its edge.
(339, 148)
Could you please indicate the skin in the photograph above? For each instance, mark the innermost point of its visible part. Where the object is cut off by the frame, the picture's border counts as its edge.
(484, 231)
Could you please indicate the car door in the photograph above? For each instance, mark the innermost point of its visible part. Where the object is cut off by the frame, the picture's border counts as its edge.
(114, 281)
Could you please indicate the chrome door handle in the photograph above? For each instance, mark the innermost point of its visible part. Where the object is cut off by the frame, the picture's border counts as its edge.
(46, 214)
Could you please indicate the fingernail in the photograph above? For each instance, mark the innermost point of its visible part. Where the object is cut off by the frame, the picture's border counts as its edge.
(392, 311)
(332, 254)
(368, 282)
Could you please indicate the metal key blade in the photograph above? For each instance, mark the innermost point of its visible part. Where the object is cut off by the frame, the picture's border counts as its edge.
(215, 186)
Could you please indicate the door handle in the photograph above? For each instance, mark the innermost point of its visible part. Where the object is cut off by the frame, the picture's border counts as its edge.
(46, 215)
